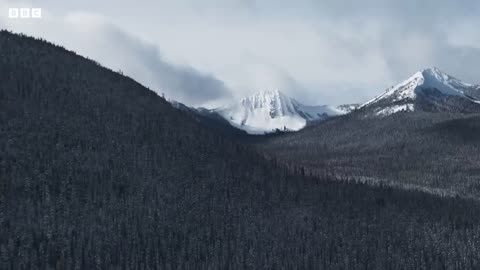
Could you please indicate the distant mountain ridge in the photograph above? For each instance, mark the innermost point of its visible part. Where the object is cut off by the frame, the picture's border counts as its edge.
(271, 110)
(428, 90)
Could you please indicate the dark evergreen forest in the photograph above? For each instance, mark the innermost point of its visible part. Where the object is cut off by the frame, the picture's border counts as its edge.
(436, 152)
(98, 172)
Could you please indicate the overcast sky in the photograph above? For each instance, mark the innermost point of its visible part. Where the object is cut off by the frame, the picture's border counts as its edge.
(208, 52)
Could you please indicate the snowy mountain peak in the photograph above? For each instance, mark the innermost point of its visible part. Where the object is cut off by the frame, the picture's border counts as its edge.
(433, 71)
(271, 110)
(435, 74)
(274, 101)
(266, 94)
(435, 78)
(429, 83)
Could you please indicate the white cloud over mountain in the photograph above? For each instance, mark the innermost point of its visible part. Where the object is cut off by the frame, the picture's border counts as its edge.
(320, 52)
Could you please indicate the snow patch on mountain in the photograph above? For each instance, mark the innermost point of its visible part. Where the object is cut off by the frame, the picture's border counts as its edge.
(396, 108)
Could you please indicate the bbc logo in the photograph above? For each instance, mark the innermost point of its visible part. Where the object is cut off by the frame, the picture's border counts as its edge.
(25, 13)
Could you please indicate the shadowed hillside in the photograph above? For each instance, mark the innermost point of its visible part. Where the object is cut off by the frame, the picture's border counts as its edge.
(430, 151)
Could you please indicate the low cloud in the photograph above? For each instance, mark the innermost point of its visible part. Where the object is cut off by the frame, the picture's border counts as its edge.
(94, 37)
(318, 51)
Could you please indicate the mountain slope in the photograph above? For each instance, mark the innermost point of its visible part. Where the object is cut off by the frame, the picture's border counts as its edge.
(429, 90)
(99, 172)
(211, 120)
(435, 152)
(269, 111)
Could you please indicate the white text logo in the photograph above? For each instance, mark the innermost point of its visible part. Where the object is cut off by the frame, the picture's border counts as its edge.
(25, 13)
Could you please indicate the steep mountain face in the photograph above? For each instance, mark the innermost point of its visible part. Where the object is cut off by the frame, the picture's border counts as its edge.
(429, 90)
(270, 111)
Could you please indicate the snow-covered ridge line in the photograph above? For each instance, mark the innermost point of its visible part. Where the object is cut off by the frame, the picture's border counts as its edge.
(428, 90)
(401, 96)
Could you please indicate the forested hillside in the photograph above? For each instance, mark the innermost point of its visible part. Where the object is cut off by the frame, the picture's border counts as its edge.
(98, 172)
(437, 152)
